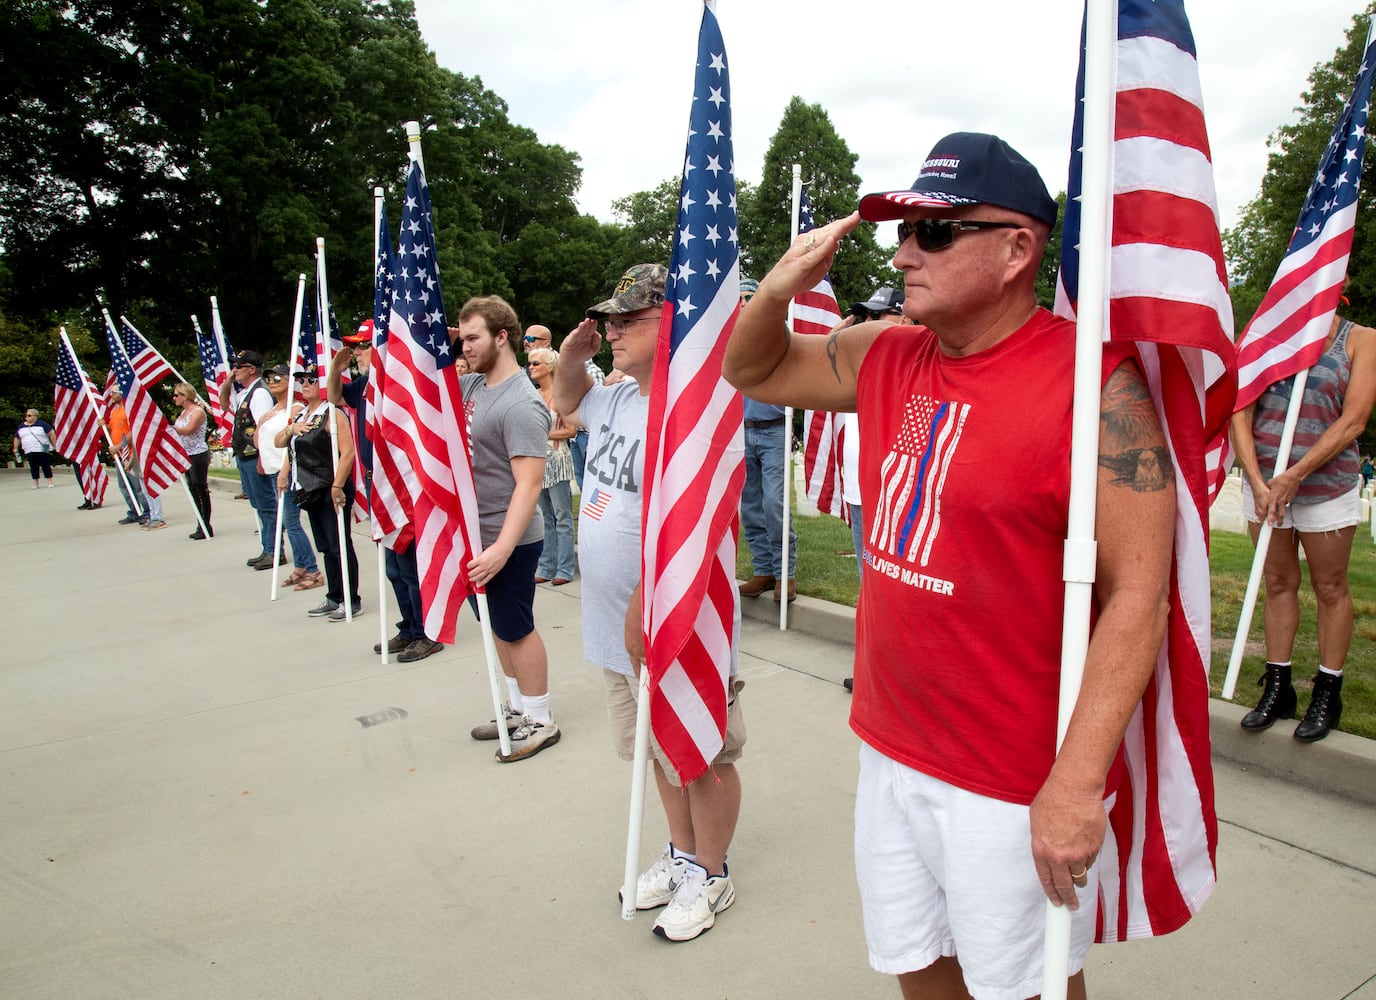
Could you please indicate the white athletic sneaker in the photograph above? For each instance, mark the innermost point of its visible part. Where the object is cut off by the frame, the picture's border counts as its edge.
(696, 903)
(529, 738)
(656, 884)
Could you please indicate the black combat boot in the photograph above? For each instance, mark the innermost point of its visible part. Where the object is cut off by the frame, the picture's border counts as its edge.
(1325, 708)
(1277, 699)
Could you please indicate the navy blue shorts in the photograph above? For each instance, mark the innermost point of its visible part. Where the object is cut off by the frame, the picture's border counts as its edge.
(511, 594)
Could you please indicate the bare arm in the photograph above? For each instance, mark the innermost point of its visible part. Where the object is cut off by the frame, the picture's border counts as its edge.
(571, 378)
(334, 378)
(635, 630)
(768, 363)
(530, 477)
(1134, 526)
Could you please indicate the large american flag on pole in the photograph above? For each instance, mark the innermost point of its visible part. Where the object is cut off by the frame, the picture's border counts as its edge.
(214, 372)
(150, 366)
(1168, 293)
(1288, 330)
(159, 452)
(428, 418)
(815, 311)
(694, 464)
(393, 481)
(77, 422)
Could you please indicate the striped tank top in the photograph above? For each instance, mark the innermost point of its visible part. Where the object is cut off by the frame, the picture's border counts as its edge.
(1324, 393)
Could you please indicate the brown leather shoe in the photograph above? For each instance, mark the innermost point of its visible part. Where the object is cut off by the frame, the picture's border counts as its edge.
(757, 585)
(792, 592)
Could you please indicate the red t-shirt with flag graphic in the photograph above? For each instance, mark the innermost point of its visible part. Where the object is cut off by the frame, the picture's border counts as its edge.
(965, 470)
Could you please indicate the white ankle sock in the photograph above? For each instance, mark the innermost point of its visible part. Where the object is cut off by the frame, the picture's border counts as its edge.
(537, 706)
(1327, 670)
(513, 694)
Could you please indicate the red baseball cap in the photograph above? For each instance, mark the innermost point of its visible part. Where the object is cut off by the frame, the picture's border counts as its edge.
(363, 335)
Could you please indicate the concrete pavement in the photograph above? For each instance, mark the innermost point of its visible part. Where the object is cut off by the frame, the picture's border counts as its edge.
(205, 795)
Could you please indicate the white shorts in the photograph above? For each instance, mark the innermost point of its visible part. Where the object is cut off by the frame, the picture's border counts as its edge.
(1327, 515)
(944, 871)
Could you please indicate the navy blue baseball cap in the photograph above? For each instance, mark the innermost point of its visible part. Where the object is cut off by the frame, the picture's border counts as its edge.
(968, 168)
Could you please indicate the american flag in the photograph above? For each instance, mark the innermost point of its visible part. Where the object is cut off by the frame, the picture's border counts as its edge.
(1168, 294)
(695, 458)
(815, 311)
(150, 366)
(596, 504)
(159, 451)
(77, 423)
(393, 481)
(214, 372)
(308, 346)
(1288, 330)
(428, 418)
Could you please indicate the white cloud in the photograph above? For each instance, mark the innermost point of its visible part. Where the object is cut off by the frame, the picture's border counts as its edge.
(610, 79)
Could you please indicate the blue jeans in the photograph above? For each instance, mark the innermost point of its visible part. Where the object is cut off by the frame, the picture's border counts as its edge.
(578, 448)
(155, 510)
(303, 556)
(556, 504)
(136, 484)
(405, 577)
(762, 502)
(857, 532)
(261, 490)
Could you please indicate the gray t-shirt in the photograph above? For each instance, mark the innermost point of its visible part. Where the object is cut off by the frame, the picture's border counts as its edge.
(506, 421)
(609, 521)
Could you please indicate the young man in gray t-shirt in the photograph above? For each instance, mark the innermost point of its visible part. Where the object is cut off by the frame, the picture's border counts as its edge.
(507, 427)
(691, 875)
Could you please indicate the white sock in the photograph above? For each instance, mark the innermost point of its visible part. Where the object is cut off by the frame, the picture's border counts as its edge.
(1273, 663)
(537, 707)
(674, 852)
(513, 694)
(1326, 670)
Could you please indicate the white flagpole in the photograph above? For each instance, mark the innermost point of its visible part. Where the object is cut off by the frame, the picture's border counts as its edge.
(217, 328)
(104, 429)
(323, 338)
(639, 767)
(180, 376)
(377, 543)
(287, 455)
(119, 345)
(794, 210)
(205, 528)
(1249, 600)
(494, 669)
(1101, 34)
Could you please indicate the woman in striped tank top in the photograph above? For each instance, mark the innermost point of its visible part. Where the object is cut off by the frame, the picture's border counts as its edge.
(1314, 503)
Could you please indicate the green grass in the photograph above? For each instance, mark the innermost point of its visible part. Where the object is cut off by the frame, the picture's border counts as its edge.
(826, 570)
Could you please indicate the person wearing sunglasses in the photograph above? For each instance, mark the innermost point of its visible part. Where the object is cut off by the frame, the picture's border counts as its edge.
(689, 878)
(536, 337)
(248, 399)
(276, 462)
(190, 426)
(410, 642)
(958, 630)
(323, 484)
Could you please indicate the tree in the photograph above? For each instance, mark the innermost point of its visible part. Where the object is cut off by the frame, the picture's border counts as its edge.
(806, 136)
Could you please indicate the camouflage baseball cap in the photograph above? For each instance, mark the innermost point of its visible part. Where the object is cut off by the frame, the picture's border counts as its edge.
(642, 287)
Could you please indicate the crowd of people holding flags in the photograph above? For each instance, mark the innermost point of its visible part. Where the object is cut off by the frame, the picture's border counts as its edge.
(1072, 742)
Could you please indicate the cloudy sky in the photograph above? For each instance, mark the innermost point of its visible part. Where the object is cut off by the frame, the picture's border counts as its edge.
(610, 79)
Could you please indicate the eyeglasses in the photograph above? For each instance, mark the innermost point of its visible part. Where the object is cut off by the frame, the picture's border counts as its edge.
(177, 395)
(273, 379)
(938, 234)
(536, 340)
(307, 380)
(618, 325)
(244, 366)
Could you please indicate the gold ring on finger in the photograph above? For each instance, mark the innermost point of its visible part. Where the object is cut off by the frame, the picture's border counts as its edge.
(809, 241)
(1079, 874)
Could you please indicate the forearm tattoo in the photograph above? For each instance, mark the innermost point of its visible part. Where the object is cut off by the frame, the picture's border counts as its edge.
(832, 354)
(1131, 446)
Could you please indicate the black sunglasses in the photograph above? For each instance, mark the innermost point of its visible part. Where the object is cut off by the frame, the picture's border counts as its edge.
(938, 234)
(307, 379)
